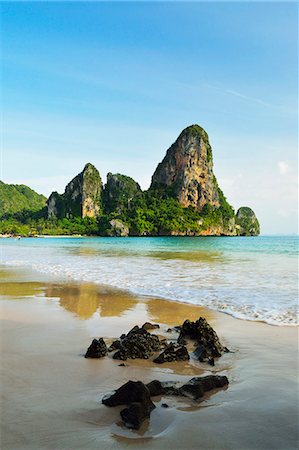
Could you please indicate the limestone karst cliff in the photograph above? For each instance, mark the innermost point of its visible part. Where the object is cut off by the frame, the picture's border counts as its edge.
(118, 192)
(187, 170)
(81, 198)
(56, 205)
(246, 222)
(184, 198)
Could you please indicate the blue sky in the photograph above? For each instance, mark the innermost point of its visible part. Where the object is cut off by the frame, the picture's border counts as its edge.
(114, 84)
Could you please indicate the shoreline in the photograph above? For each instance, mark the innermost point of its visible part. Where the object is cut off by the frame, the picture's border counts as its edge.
(232, 314)
(6, 236)
(46, 328)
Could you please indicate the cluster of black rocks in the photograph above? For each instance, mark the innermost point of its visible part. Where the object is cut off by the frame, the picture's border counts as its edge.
(137, 396)
(208, 345)
(139, 343)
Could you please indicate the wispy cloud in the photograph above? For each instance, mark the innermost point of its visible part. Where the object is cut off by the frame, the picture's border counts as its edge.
(283, 167)
(247, 97)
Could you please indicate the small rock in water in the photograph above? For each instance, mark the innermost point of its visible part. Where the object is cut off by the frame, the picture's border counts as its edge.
(195, 388)
(150, 326)
(97, 349)
(164, 405)
(136, 395)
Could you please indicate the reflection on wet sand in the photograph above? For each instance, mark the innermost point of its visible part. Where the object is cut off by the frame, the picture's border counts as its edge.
(173, 313)
(6, 274)
(86, 299)
(20, 288)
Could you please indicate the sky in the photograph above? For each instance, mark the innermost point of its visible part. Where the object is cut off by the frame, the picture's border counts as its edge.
(114, 84)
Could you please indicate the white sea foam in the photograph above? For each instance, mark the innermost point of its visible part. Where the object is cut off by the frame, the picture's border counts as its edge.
(248, 285)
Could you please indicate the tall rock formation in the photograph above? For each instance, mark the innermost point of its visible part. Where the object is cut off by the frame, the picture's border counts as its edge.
(184, 198)
(83, 194)
(246, 222)
(118, 192)
(56, 205)
(81, 198)
(187, 170)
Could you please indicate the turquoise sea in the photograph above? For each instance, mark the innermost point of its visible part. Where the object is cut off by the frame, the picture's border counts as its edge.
(253, 278)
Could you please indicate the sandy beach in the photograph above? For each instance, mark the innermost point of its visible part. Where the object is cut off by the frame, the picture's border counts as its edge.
(51, 394)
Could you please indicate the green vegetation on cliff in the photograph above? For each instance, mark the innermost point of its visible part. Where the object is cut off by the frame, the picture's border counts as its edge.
(148, 213)
(184, 199)
(16, 198)
(246, 222)
(156, 213)
(53, 227)
(119, 192)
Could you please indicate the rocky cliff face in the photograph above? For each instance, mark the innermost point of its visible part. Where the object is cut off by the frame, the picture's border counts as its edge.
(56, 205)
(184, 198)
(81, 198)
(246, 222)
(119, 191)
(187, 170)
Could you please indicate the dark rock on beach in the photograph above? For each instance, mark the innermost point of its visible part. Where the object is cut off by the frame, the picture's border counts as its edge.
(138, 343)
(114, 346)
(136, 395)
(150, 326)
(155, 388)
(132, 391)
(208, 342)
(97, 349)
(196, 387)
(173, 353)
(136, 413)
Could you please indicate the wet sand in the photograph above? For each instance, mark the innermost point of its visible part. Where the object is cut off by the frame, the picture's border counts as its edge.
(51, 394)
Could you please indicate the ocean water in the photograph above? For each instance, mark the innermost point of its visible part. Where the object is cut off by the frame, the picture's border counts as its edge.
(252, 278)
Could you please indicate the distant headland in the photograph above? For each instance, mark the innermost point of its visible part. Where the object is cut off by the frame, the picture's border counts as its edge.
(184, 199)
